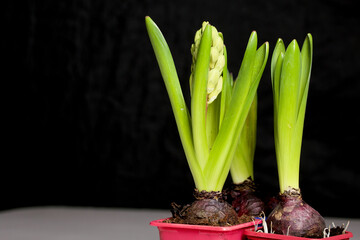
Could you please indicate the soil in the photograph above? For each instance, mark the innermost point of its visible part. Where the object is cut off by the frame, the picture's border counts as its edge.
(209, 208)
(244, 198)
(334, 231)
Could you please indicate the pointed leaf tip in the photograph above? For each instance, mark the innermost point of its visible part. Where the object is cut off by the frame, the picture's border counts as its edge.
(253, 34)
(294, 46)
(148, 19)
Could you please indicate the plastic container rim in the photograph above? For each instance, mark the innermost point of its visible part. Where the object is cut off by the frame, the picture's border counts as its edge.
(160, 223)
(261, 235)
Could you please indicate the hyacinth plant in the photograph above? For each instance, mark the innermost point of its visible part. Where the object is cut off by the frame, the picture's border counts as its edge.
(210, 131)
(290, 75)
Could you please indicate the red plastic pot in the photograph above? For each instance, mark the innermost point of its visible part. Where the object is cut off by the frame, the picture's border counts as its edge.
(251, 235)
(173, 231)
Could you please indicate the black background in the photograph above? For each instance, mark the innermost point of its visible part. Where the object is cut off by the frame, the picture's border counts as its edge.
(87, 117)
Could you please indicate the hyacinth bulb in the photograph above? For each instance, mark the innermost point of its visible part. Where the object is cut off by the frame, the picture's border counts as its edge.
(245, 200)
(293, 216)
(209, 208)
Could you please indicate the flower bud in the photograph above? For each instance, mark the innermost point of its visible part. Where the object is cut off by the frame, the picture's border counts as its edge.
(214, 55)
(213, 78)
(216, 65)
(213, 95)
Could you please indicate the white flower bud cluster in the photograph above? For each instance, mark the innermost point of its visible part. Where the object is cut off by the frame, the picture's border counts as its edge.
(217, 62)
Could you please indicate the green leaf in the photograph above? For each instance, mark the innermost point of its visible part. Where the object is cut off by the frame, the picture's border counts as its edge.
(287, 109)
(212, 121)
(279, 48)
(289, 86)
(306, 63)
(276, 92)
(226, 91)
(220, 157)
(276, 65)
(258, 66)
(170, 77)
(198, 99)
(242, 164)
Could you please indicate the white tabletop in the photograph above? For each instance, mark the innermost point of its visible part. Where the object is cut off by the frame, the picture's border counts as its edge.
(78, 223)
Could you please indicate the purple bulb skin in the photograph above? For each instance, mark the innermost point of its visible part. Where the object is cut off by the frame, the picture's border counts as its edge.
(293, 216)
(245, 200)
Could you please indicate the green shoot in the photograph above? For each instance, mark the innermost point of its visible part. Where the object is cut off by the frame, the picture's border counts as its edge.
(290, 75)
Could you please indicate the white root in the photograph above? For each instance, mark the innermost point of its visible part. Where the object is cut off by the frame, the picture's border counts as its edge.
(263, 218)
(326, 232)
(347, 225)
(265, 226)
(288, 230)
(255, 225)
